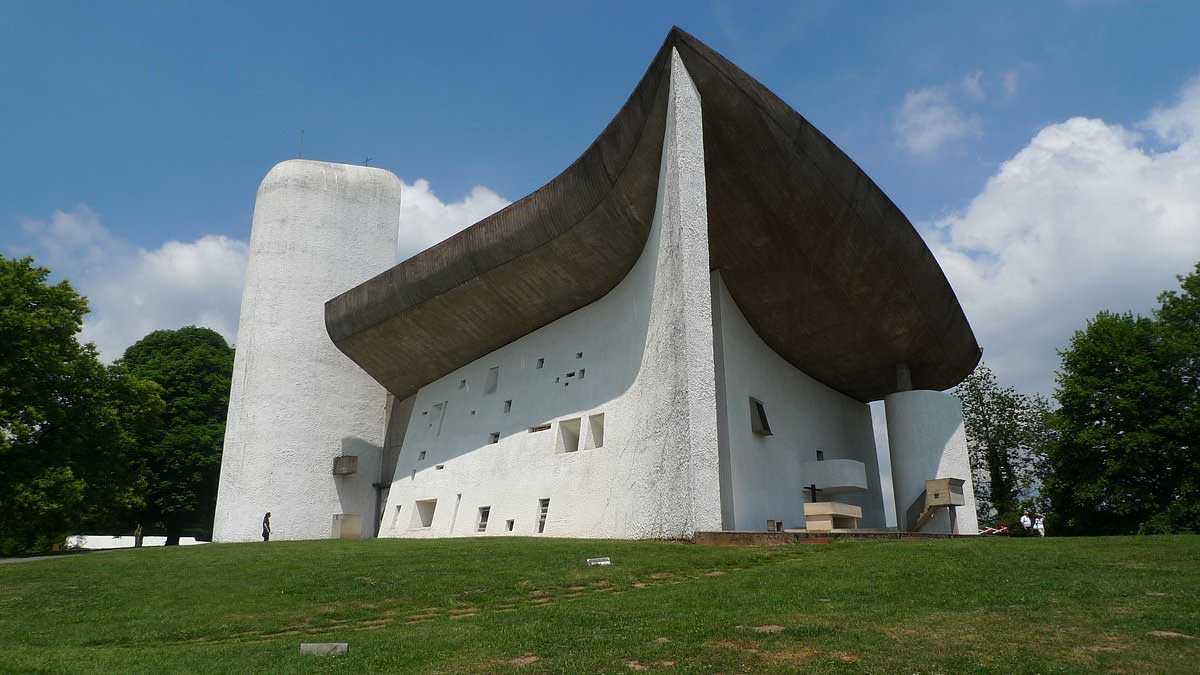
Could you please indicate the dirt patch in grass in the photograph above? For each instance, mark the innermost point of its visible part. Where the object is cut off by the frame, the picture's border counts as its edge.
(769, 628)
(1170, 634)
(526, 660)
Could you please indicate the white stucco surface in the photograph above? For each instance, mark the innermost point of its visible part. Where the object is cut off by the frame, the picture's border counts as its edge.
(766, 473)
(641, 356)
(296, 401)
(926, 440)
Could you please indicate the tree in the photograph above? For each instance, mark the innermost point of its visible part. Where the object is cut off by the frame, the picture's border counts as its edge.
(1006, 437)
(194, 368)
(1126, 458)
(68, 425)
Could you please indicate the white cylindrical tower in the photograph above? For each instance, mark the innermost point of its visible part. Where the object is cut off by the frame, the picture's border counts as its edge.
(926, 441)
(297, 403)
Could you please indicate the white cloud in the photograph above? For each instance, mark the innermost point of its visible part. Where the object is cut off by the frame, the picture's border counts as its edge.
(1011, 82)
(1086, 217)
(972, 85)
(928, 120)
(425, 220)
(133, 291)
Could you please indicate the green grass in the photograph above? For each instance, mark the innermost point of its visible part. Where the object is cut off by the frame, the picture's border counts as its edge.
(476, 605)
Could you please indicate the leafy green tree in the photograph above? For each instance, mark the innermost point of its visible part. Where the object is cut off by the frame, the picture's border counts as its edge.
(1126, 459)
(68, 424)
(194, 368)
(1007, 434)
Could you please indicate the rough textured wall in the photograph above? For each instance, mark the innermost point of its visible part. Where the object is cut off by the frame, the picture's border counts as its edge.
(926, 440)
(296, 401)
(765, 474)
(641, 356)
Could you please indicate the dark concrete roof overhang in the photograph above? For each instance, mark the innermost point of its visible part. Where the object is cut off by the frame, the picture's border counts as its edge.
(824, 266)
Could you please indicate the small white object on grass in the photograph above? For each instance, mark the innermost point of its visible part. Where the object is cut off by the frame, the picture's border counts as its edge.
(599, 561)
(324, 648)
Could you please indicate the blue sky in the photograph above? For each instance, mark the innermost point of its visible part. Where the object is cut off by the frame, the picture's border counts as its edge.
(141, 124)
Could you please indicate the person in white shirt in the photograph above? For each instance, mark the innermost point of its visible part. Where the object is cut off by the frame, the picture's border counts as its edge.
(1039, 524)
(1026, 522)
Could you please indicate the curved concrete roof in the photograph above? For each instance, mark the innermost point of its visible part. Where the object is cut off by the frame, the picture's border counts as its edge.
(823, 265)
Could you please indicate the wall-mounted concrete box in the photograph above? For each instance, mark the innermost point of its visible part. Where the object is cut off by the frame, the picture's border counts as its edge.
(944, 492)
(345, 465)
(347, 526)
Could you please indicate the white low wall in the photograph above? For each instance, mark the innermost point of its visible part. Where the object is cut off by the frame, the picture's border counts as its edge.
(926, 440)
(296, 401)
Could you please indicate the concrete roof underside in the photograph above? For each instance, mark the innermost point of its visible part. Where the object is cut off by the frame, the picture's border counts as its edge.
(824, 266)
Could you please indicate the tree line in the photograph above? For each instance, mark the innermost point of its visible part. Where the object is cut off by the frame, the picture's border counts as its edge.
(96, 448)
(1118, 453)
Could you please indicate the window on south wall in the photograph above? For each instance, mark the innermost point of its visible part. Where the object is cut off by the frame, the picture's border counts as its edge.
(493, 380)
(481, 524)
(758, 418)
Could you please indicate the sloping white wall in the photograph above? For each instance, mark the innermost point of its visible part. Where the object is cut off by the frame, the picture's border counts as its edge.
(296, 401)
(764, 480)
(641, 356)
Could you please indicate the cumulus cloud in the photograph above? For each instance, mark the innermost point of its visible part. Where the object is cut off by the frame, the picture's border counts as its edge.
(425, 220)
(928, 120)
(133, 291)
(972, 85)
(1088, 216)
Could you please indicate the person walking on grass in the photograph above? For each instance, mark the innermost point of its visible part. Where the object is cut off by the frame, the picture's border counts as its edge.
(1039, 525)
(1026, 523)
(267, 527)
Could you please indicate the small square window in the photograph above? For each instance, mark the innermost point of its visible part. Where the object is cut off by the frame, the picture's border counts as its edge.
(509, 524)
(439, 467)
(508, 406)
(758, 418)
(421, 456)
(494, 438)
(540, 363)
(820, 455)
(423, 513)
(579, 355)
(581, 372)
(462, 384)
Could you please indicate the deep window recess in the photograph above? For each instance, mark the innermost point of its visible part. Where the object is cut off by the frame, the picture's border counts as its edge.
(508, 524)
(581, 372)
(595, 431)
(507, 406)
(579, 355)
(493, 380)
(484, 512)
(820, 455)
(543, 509)
(439, 410)
(541, 363)
(758, 418)
(462, 384)
(568, 435)
(423, 513)
(421, 456)
(540, 427)
(439, 467)
(494, 438)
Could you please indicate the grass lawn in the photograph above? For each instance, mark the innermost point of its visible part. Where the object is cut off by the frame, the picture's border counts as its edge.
(532, 605)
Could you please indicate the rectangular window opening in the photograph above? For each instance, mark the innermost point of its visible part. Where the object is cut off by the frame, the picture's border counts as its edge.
(439, 467)
(423, 512)
(540, 427)
(462, 384)
(595, 431)
(579, 355)
(820, 455)
(493, 380)
(508, 406)
(509, 524)
(758, 418)
(543, 509)
(540, 363)
(481, 524)
(439, 410)
(494, 438)
(568, 435)
(421, 456)
(581, 372)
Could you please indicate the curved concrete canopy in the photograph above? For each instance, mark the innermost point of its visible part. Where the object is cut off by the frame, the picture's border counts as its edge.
(824, 266)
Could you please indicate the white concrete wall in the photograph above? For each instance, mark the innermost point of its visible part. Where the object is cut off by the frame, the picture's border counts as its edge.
(296, 401)
(646, 365)
(926, 440)
(765, 472)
